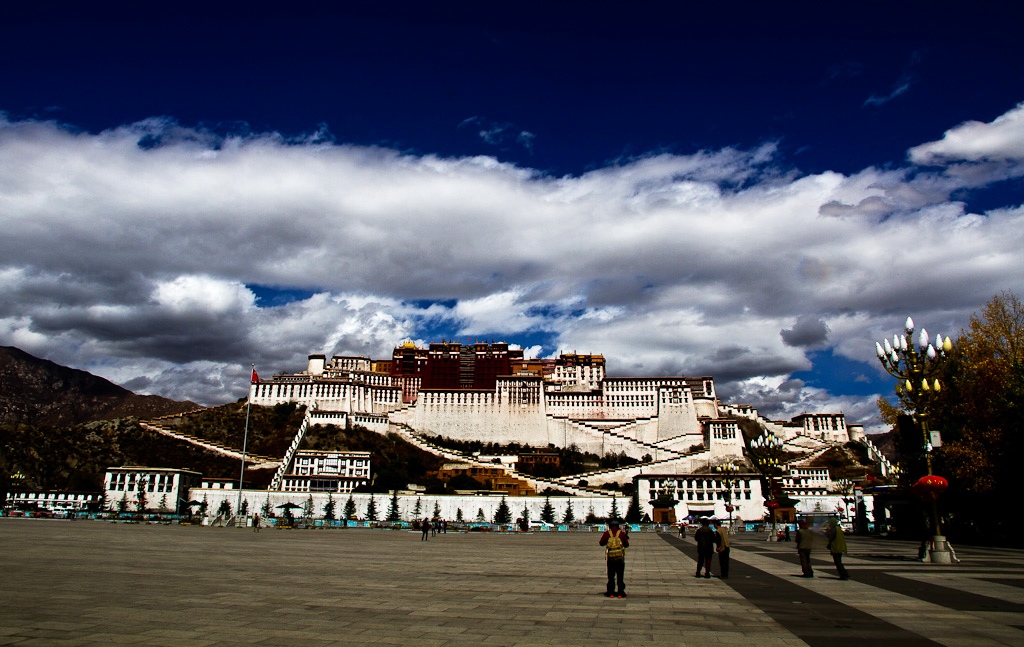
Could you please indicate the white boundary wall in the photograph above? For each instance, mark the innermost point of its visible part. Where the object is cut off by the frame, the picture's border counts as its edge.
(449, 504)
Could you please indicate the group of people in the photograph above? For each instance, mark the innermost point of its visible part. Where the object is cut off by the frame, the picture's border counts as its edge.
(431, 528)
(712, 541)
(836, 547)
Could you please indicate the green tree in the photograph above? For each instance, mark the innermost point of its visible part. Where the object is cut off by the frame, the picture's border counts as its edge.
(243, 510)
(458, 515)
(266, 509)
(503, 515)
(224, 509)
(525, 514)
(393, 512)
(547, 513)
(307, 508)
(122, 505)
(204, 506)
(981, 414)
(329, 507)
(418, 509)
(633, 514)
(371, 509)
(569, 517)
(350, 508)
(480, 515)
(140, 495)
(163, 509)
(437, 510)
(615, 508)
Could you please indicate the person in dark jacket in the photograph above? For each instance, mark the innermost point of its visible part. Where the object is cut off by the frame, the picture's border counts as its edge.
(804, 541)
(837, 546)
(722, 548)
(616, 541)
(705, 539)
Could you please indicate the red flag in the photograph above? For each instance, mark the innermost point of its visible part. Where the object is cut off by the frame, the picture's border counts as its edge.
(255, 378)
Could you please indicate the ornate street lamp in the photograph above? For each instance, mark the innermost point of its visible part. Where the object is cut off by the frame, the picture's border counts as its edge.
(916, 369)
(728, 472)
(765, 451)
(845, 489)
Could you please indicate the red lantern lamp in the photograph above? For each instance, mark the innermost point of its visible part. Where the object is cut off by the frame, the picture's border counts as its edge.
(729, 508)
(771, 505)
(929, 487)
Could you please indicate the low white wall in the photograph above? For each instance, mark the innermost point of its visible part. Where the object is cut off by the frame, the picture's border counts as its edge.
(449, 504)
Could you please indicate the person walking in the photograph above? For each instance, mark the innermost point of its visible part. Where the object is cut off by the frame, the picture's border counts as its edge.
(705, 539)
(256, 522)
(804, 541)
(682, 530)
(615, 542)
(425, 526)
(837, 546)
(722, 541)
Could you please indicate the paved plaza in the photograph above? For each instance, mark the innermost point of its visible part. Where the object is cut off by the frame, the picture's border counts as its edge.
(93, 582)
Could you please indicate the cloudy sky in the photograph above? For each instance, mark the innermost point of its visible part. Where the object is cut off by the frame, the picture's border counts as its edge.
(754, 196)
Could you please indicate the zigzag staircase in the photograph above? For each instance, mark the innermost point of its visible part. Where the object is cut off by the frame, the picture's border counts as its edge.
(275, 483)
(615, 432)
(255, 460)
(410, 435)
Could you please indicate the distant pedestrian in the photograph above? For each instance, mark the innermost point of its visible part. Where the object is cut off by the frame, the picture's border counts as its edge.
(256, 522)
(722, 542)
(804, 541)
(426, 529)
(837, 546)
(705, 539)
(787, 537)
(615, 541)
(682, 530)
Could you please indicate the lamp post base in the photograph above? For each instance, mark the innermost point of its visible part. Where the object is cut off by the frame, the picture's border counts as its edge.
(939, 552)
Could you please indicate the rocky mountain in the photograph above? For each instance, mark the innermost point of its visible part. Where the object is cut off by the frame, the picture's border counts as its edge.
(39, 392)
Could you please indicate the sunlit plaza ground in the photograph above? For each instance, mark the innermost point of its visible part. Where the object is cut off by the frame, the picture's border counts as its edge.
(93, 582)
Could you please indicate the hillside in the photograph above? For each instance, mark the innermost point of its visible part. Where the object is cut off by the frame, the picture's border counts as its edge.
(39, 392)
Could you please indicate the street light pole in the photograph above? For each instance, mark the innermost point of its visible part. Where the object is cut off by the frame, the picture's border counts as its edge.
(765, 451)
(245, 440)
(916, 369)
(728, 480)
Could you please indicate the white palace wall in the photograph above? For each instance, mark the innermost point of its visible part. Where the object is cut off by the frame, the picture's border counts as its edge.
(449, 504)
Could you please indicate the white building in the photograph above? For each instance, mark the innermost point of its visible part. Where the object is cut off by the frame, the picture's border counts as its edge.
(705, 495)
(160, 489)
(327, 471)
(54, 501)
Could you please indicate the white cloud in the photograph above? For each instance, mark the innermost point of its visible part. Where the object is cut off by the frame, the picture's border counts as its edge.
(1000, 140)
(133, 261)
(203, 294)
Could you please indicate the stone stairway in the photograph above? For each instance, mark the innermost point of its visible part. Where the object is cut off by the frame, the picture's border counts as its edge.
(640, 446)
(275, 483)
(409, 434)
(253, 461)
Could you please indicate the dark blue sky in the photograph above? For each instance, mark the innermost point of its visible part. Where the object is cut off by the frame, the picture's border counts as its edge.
(840, 86)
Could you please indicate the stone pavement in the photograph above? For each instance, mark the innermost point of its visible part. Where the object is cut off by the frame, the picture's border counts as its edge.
(92, 582)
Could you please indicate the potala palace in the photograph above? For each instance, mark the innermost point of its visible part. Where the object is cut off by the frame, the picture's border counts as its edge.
(487, 392)
(490, 393)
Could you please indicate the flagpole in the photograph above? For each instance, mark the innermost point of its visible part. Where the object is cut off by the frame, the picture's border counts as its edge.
(245, 440)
